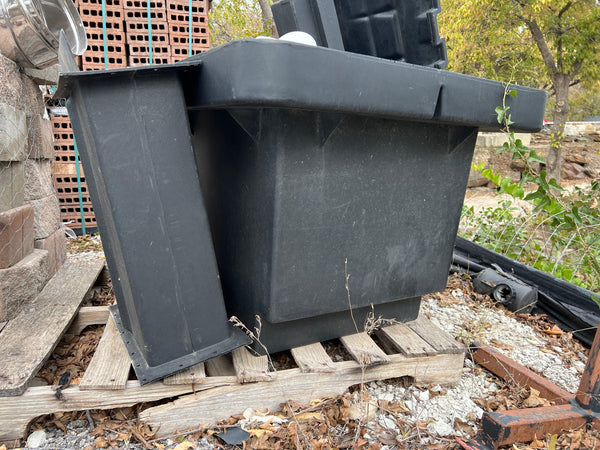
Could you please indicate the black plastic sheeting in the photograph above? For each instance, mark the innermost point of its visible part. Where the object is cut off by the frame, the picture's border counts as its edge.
(571, 307)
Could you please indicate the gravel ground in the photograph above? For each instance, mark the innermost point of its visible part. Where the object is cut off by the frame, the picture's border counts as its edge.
(429, 415)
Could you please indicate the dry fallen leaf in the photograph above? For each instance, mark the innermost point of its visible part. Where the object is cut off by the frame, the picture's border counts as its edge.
(185, 445)
(308, 416)
(554, 331)
(100, 442)
(536, 443)
(362, 411)
(534, 400)
(259, 432)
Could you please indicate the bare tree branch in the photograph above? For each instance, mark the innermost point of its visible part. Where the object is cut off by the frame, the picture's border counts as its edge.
(540, 41)
(565, 9)
(267, 17)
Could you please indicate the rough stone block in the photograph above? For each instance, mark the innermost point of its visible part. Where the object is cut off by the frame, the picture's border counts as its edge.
(56, 245)
(49, 75)
(21, 283)
(496, 140)
(12, 185)
(46, 216)
(13, 133)
(18, 90)
(16, 235)
(39, 137)
(38, 179)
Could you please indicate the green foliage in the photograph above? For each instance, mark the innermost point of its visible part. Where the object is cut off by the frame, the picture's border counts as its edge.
(559, 234)
(235, 19)
(493, 38)
(585, 101)
(484, 41)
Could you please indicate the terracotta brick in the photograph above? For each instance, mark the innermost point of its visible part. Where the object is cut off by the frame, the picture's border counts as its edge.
(16, 235)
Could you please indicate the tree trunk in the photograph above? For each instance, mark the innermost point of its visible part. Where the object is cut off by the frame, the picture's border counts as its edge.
(267, 17)
(560, 82)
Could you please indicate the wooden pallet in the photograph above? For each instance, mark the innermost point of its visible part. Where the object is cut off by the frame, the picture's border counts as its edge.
(222, 386)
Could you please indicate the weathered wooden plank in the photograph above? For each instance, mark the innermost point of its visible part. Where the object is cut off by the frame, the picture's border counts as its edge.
(88, 315)
(212, 405)
(17, 412)
(404, 340)
(109, 367)
(364, 350)
(29, 338)
(251, 368)
(221, 366)
(313, 358)
(437, 338)
(191, 375)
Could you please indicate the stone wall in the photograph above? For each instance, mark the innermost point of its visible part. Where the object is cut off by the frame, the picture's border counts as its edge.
(32, 245)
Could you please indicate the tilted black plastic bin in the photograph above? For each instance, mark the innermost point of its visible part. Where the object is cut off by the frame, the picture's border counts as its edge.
(313, 162)
(132, 131)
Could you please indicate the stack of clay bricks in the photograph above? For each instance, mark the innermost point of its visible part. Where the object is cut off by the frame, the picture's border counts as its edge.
(32, 242)
(127, 44)
(127, 36)
(91, 15)
(64, 174)
(178, 20)
(136, 19)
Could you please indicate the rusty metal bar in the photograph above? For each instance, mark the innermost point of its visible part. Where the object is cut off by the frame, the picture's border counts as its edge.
(508, 369)
(589, 388)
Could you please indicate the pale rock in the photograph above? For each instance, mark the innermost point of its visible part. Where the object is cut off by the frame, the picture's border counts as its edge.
(441, 428)
(387, 423)
(36, 439)
(423, 396)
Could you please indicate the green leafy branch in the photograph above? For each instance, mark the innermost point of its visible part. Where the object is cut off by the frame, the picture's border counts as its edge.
(571, 219)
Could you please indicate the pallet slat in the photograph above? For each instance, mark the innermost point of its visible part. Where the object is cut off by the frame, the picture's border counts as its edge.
(22, 351)
(313, 358)
(405, 340)
(110, 364)
(221, 366)
(88, 315)
(364, 350)
(437, 338)
(250, 368)
(191, 375)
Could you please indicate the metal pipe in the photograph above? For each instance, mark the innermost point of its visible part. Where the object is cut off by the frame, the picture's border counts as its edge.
(29, 30)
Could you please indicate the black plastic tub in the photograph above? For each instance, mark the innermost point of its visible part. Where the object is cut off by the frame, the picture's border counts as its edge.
(314, 164)
(133, 135)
